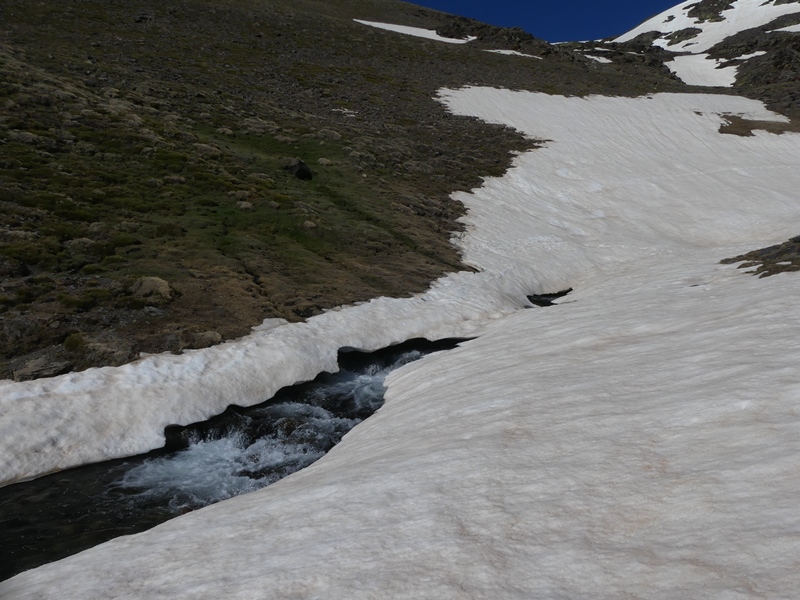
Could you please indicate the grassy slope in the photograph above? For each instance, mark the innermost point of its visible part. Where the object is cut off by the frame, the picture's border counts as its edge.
(147, 139)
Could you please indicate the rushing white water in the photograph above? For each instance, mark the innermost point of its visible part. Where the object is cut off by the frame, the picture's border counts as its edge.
(212, 471)
(262, 445)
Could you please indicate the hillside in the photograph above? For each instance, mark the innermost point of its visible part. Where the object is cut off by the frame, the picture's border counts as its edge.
(141, 140)
(634, 438)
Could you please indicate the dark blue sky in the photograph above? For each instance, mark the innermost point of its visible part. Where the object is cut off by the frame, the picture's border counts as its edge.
(557, 20)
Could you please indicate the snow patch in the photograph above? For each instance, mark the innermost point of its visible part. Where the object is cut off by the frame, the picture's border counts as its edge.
(600, 59)
(514, 53)
(755, 54)
(428, 34)
(699, 69)
(789, 29)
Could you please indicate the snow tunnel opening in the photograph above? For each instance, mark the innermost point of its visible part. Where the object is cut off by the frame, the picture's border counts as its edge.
(547, 299)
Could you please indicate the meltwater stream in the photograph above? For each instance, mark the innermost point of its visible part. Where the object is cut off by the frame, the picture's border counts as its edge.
(239, 451)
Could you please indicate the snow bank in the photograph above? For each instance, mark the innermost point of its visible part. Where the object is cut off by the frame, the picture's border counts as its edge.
(744, 14)
(78, 418)
(638, 440)
(429, 34)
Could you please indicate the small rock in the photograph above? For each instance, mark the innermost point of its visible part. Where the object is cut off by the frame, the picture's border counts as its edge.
(273, 204)
(26, 137)
(225, 131)
(174, 179)
(10, 267)
(244, 205)
(208, 150)
(258, 126)
(80, 244)
(153, 288)
(261, 177)
(129, 226)
(240, 194)
(325, 162)
(42, 367)
(329, 134)
(205, 339)
(14, 235)
(152, 311)
(309, 225)
(283, 139)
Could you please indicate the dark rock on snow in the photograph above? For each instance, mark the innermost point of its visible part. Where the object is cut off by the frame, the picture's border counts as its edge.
(299, 169)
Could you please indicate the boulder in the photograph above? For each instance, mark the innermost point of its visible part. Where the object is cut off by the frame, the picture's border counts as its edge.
(298, 168)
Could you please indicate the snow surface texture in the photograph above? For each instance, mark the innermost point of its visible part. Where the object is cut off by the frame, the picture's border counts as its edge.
(429, 34)
(700, 69)
(638, 440)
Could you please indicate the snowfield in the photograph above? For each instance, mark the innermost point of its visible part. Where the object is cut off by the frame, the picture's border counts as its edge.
(638, 440)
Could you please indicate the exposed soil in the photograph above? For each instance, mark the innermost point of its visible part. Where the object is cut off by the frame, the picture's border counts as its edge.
(737, 125)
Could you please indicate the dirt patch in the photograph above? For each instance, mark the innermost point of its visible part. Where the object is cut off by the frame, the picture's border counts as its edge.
(736, 125)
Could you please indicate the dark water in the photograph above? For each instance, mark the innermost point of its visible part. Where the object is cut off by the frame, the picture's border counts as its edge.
(242, 450)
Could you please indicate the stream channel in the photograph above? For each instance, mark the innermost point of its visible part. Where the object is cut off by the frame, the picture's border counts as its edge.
(239, 451)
